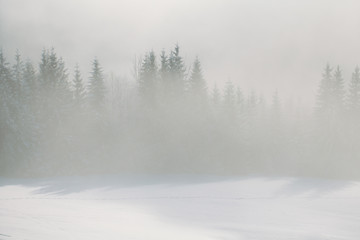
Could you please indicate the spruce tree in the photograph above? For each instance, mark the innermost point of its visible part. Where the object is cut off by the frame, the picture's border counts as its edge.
(54, 108)
(197, 84)
(239, 99)
(53, 78)
(176, 73)
(229, 96)
(78, 88)
(215, 96)
(164, 67)
(164, 84)
(338, 92)
(324, 96)
(147, 81)
(31, 96)
(354, 92)
(18, 74)
(31, 91)
(96, 87)
(10, 143)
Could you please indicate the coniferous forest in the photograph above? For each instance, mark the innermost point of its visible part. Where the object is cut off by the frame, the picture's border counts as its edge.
(57, 120)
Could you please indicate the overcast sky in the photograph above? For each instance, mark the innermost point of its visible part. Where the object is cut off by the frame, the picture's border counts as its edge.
(262, 45)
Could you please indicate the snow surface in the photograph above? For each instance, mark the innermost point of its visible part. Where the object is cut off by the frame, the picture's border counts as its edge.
(169, 207)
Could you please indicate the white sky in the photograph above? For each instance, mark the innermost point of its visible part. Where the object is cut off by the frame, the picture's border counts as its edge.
(258, 44)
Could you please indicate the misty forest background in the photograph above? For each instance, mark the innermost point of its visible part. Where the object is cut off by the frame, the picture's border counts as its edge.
(56, 121)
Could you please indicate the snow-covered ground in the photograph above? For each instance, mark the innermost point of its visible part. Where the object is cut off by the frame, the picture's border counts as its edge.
(173, 208)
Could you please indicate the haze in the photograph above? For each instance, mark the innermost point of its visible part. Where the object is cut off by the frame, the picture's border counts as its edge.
(262, 45)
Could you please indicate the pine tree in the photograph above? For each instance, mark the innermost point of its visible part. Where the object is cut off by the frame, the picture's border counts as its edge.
(148, 80)
(215, 96)
(338, 93)
(324, 97)
(54, 108)
(62, 83)
(31, 91)
(164, 68)
(53, 77)
(354, 92)
(197, 84)
(10, 142)
(176, 73)
(239, 98)
(17, 73)
(229, 95)
(78, 88)
(96, 87)
(18, 94)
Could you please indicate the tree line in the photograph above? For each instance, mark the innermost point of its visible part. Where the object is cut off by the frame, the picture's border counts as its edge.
(56, 121)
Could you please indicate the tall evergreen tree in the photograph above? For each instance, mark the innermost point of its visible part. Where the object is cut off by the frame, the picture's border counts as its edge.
(164, 86)
(10, 142)
(78, 88)
(18, 73)
(239, 98)
(164, 67)
(148, 80)
(215, 96)
(229, 95)
(324, 96)
(338, 92)
(176, 73)
(252, 101)
(96, 87)
(31, 88)
(197, 84)
(354, 92)
(53, 77)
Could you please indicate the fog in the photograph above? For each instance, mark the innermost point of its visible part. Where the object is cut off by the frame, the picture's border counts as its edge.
(221, 87)
(262, 45)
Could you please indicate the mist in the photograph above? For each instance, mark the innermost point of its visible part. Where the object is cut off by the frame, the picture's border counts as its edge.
(167, 119)
(262, 45)
(257, 102)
